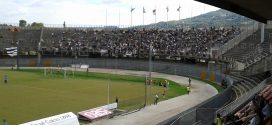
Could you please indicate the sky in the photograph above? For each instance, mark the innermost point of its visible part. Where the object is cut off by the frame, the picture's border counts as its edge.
(98, 12)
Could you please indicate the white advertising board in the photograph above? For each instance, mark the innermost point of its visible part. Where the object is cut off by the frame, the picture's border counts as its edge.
(99, 112)
(62, 119)
(84, 66)
(96, 113)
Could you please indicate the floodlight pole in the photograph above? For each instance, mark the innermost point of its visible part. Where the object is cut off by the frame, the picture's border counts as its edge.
(167, 18)
(131, 11)
(108, 98)
(115, 63)
(131, 18)
(179, 15)
(39, 48)
(150, 60)
(143, 17)
(18, 50)
(150, 66)
(145, 90)
(106, 18)
(155, 18)
(119, 20)
(191, 17)
(14, 32)
(109, 92)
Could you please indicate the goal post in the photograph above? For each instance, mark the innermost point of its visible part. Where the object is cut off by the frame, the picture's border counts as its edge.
(58, 72)
(64, 73)
(68, 73)
(48, 71)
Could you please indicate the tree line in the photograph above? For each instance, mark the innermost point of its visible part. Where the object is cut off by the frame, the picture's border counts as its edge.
(23, 23)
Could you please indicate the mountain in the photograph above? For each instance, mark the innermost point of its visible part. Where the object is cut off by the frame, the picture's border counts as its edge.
(219, 18)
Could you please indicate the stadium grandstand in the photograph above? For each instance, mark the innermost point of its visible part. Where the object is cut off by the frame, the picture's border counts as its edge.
(251, 77)
(122, 43)
(235, 59)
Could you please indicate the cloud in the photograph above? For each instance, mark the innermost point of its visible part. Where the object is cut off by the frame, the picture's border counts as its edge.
(93, 12)
(111, 2)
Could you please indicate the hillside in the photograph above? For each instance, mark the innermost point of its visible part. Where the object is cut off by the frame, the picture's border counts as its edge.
(215, 18)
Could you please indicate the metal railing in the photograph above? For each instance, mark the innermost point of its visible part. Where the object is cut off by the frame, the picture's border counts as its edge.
(183, 118)
(260, 66)
(197, 123)
(242, 99)
(165, 25)
(203, 113)
(235, 41)
(190, 116)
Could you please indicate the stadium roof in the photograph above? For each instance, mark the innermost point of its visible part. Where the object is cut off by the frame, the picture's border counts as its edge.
(260, 10)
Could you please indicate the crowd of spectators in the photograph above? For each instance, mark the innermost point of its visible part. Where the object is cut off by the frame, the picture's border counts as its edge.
(135, 43)
(26, 38)
(256, 112)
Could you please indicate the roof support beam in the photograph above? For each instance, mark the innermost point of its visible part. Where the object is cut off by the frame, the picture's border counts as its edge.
(236, 8)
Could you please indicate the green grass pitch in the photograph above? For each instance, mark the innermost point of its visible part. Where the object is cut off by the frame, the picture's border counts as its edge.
(29, 95)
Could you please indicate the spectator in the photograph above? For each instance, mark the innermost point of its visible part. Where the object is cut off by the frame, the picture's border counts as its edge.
(5, 122)
(224, 83)
(189, 81)
(131, 43)
(218, 119)
(164, 92)
(156, 99)
(267, 94)
(188, 89)
(5, 78)
(257, 112)
(116, 100)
